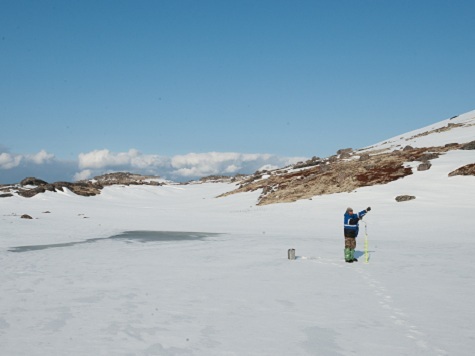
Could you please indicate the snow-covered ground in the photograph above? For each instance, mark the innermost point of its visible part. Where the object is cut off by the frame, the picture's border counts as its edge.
(236, 293)
(463, 130)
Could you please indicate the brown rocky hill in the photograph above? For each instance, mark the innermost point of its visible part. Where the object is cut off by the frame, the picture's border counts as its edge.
(379, 164)
(344, 172)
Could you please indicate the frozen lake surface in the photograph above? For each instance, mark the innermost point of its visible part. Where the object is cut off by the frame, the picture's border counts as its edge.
(129, 236)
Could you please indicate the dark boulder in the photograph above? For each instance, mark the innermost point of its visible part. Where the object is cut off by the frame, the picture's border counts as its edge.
(32, 181)
(344, 150)
(405, 198)
(424, 166)
(364, 157)
(468, 146)
(428, 156)
(28, 193)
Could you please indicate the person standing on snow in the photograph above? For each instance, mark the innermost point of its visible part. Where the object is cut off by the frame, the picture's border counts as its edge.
(351, 229)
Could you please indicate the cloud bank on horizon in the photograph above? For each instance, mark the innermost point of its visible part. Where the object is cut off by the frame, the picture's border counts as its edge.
(9, 161)
(45, 165)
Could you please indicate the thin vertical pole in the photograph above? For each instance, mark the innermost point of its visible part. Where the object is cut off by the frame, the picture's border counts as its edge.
(366, 256)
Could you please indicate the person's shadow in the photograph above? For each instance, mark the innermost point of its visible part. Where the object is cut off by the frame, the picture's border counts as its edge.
(360, 254)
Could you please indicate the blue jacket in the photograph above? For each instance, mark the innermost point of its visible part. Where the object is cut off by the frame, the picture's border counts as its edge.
(351, 223)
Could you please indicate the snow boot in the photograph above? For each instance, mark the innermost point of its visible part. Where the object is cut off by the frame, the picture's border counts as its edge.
(353, 259)
(348, 257)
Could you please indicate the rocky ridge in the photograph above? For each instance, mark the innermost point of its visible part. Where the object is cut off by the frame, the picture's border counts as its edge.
(337, 174)
(32, 186)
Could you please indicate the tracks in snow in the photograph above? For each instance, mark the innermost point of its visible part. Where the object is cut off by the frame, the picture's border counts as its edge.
(395, 315)
(399, 317)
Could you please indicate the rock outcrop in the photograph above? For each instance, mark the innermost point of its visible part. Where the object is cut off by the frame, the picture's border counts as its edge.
(125, 178)
(468, 146)
(467, 170)
(338, 174)
(424, 166)
(32, 181)
(32, 186)
(401, 198)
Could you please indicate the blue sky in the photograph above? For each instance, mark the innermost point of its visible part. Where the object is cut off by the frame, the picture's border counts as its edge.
(190, 88)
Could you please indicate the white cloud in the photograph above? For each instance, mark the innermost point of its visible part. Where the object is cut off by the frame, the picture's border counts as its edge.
(40, 157)
(43, 165)
(99, 159)
(232, 168)
(83, 175)
(46, 166)
(204, 164)
(215, 163)
(149, 161)
(8, 160)
(179, 167)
